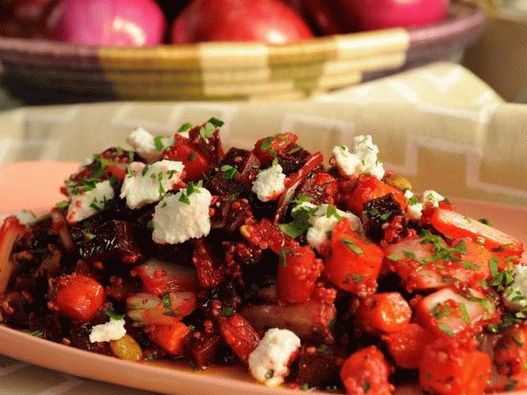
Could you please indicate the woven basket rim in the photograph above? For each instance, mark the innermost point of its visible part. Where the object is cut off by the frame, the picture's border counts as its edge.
(462, 16)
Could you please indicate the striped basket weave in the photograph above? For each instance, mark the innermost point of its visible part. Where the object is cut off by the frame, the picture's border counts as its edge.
(51, 72)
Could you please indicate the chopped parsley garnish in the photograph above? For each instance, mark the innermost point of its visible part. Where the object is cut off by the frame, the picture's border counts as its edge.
(331, 211)
(304, 387)
(511, 385)
(167, 303)
(227, 311)
(229, 172)
(207, 130)
(283, 257)
(394, 257)
(352, 246)
(184, 198)
(183, 128)
(413, 201)
(445, 328)
(464, 313)
(192, 156)
(113, 315)
(216, 122)
(269, 374)
(470, 265)
(62, 205)
(158, 143)
(366, 386)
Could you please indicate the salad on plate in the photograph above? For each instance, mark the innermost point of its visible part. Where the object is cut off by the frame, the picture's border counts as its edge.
(310, 273)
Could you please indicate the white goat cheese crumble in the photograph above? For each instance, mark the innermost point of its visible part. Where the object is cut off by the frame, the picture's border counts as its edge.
(25, 217)
(415, 206)
(183, 216)
(323, 220)
(145, 184)
(89, 201)
(269, 183)
(144, 143)
(363, 159)
(515, 295)
(112, 330)
(269, 362)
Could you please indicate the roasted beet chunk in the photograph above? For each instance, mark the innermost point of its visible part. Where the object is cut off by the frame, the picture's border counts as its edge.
(203, 348)
(14, 309)
(112, 241)
(379, 212)
(317, 367)
(293, 159)
(320, 187)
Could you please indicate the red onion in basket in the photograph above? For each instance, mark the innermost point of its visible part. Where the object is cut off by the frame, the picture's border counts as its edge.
(380, 14)
(131, 23)
(269, 21)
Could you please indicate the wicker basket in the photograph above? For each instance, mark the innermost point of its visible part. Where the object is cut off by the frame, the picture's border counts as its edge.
(50, 72)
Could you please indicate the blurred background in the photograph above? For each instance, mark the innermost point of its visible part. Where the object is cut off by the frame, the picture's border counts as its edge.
(64, 51)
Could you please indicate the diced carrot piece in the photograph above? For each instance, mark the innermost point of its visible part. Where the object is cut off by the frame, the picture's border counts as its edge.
(366, 372)
(171, 338)
(383, 313)
(354, 263)
(406, 346)
(298, 270)
(79, 297)
(239, 335)
(369, 188)
(10, 231)
(453, 367)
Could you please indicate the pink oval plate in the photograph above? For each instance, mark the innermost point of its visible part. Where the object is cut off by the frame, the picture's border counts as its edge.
(168, 377)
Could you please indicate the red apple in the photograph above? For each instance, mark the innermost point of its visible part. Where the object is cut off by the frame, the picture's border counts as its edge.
(381, 14)
(269, 21)
(131, 23)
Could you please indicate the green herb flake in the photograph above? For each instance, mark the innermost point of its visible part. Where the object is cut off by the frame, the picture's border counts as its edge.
(394, 257)
(413, 201)
(229, 172)
(366, 386)
(113, 315)
(167, 303)
(511, 385)
(62, 205)
(470, 265)
(464, 313)
(216, 122)
(207, 131)
(352, 246)
(185, 127)
(184, 198)
(493, 265)
(270, 374)
(304, 387)
(445, 328)
(331, 211)
(283, 257)
(158, 143)
(192, 156)
(227, 311)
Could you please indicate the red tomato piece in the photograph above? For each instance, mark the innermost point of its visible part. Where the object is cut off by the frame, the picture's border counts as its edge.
(10, 231)
(298, 270)
(457, 226)
(383, 313)
(171, 338)
(368, 188)
(366, 372)
(268, 148)
(239, 335)
(159, 277)
(452, 367)
(354, 263)
(446, 312)
(196, 161)
(406, 346)
(79, 297)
